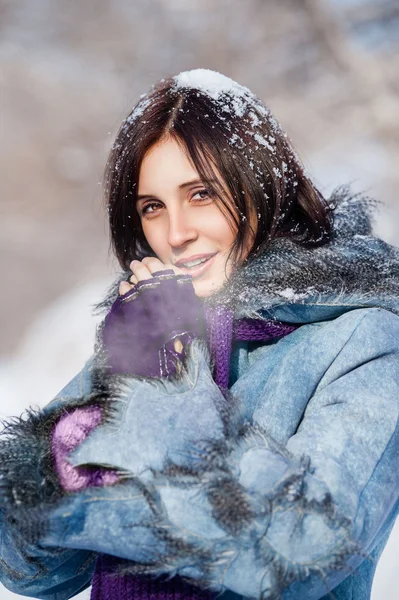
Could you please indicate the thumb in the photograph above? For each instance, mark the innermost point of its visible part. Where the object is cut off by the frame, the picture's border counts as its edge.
(178, 345)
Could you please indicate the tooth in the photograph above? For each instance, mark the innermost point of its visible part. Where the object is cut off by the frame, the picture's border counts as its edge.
(194, 263)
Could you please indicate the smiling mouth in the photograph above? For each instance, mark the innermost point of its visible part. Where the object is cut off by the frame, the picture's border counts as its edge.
(197, 270)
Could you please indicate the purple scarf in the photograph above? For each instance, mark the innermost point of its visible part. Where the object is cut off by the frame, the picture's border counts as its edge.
(222, 329)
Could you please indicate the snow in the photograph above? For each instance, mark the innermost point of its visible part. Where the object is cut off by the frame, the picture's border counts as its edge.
(210, 82)
(292, 296)
(239, 102)
(263, 142)
(229, 95)
(138, 111)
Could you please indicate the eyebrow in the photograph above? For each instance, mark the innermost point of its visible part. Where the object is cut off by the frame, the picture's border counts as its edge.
(182, 186)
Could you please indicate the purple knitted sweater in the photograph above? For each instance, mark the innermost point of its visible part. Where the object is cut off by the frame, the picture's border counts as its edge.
(107, 582)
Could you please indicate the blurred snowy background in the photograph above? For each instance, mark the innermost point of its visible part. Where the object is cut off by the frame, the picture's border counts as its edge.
(70, 72)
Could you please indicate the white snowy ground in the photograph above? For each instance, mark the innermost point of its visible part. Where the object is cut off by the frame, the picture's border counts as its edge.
(54, 350)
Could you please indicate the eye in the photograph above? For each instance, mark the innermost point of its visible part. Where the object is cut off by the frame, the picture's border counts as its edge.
(146, 208)
(151, 207)
(204, 194)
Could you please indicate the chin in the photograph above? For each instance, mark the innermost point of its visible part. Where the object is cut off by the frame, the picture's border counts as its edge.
(203, 289)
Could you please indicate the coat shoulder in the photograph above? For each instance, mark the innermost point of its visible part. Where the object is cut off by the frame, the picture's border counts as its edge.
(372, 323)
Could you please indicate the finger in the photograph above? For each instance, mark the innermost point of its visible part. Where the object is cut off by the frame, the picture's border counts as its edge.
(174, 268)
(132, 280)
(124, 287)
(154, 264)
(140, 270)
(178, 345)
(144, 269)
(150, 264)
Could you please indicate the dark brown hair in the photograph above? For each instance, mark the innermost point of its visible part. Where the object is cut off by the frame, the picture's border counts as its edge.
(229, 131)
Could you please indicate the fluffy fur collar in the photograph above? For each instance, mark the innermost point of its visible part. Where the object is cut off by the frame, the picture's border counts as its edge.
(355, 269)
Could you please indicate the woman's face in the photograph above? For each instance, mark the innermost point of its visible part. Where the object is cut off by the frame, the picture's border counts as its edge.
(180, 219)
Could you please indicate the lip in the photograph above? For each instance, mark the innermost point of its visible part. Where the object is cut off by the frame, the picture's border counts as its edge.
(201, 268)
(193, 257)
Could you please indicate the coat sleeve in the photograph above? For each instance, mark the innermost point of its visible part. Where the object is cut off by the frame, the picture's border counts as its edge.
(207, 496)
(27, 489)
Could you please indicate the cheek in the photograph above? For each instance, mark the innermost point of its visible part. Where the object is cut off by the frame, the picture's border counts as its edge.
(223, 232)
(216, 226)
(156, 237)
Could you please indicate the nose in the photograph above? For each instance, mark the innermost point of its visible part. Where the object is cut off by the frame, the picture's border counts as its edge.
(181, 228)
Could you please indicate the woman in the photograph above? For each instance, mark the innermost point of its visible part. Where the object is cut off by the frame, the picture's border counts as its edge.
(235, 432)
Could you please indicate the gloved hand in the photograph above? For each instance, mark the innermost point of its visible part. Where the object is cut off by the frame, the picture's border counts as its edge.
(138, 338)
(140, 329)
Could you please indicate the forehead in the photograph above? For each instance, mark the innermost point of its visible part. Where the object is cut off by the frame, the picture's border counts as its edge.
(166, 162)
